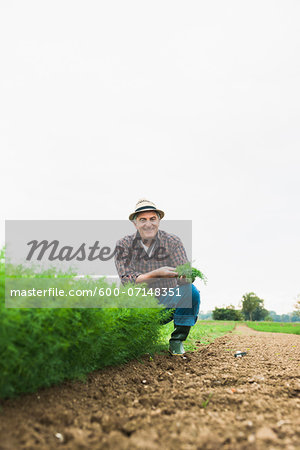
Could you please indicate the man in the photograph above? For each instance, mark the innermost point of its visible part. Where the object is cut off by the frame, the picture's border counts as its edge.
(151, 256)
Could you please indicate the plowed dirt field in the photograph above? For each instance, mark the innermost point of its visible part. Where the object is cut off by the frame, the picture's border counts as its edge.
(206, 400)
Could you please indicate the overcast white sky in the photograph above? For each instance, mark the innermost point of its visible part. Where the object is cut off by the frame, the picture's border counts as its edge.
(194, 105)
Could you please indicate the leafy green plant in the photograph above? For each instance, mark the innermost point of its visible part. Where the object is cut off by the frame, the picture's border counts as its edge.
(40, 347)
(205, 403)
(191, 273)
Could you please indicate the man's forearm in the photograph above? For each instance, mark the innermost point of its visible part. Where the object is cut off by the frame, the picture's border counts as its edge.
(163, 272)
(144, 277)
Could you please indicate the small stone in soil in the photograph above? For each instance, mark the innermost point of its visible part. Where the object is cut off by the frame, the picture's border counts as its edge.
(59, 436)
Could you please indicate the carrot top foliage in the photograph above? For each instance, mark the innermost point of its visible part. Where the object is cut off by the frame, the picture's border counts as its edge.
(191, 273)
(40, 347)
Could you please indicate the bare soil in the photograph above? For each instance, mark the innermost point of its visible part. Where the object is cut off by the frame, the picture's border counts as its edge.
(207, 400)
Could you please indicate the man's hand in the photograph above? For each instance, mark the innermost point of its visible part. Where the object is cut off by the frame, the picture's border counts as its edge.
(183, 280)
(164, 272)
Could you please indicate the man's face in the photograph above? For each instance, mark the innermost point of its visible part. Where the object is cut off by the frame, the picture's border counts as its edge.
(147, 224)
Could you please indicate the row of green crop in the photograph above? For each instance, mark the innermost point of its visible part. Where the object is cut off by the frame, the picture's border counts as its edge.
(43, 346)
(275, 327)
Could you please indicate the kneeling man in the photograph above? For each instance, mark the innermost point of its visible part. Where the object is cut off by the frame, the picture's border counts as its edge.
(151, 256)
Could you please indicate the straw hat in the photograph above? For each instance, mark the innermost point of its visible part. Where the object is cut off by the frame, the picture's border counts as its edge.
(144, 205)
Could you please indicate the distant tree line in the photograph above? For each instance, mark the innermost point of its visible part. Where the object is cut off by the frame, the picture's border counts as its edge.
(205, 316)
(297, 307)
(252, 308)
(290, 317)
(227, 313)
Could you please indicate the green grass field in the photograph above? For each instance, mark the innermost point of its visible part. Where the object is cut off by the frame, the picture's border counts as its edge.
(205, 332)
(275, 327)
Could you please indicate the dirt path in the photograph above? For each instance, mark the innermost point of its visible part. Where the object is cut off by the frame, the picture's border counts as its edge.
(207, 400)
(243, 330)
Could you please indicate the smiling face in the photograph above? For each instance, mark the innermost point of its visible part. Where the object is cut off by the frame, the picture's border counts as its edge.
(147, 224)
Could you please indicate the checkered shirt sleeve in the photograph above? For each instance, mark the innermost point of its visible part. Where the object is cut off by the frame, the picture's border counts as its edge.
(126, 272)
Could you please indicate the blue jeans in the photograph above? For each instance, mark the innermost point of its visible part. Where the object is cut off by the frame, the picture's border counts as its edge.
(187, 316)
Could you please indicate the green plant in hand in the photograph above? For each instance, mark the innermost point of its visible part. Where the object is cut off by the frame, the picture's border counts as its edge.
(191, 273)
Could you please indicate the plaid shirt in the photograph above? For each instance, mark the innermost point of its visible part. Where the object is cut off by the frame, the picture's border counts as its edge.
(131, 259)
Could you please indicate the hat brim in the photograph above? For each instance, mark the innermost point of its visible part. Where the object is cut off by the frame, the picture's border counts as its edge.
(161, 213)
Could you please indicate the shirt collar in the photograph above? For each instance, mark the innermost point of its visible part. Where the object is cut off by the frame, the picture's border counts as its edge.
(157, 239)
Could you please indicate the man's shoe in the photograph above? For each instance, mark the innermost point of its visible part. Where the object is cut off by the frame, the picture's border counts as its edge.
(180, 333)
(176, 347)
